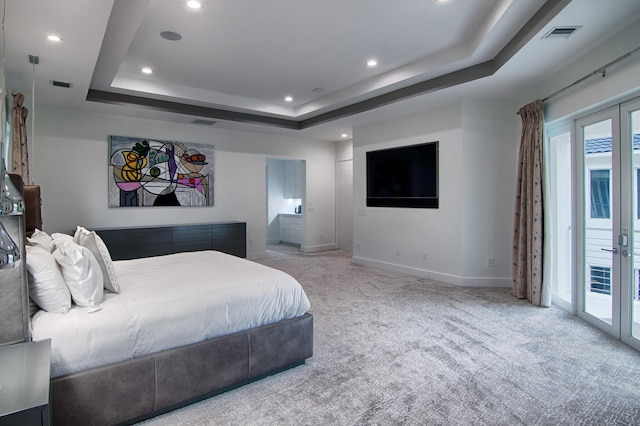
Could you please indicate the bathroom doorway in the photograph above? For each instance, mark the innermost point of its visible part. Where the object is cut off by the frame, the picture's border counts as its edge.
(285, 201)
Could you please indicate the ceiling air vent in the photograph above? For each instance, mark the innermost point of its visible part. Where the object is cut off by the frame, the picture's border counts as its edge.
(561, 32)
(203, 122)
(61, 84)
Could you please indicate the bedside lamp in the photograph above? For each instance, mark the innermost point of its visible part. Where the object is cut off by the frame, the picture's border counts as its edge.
(11, 198)
(9, 252)
(11, 202)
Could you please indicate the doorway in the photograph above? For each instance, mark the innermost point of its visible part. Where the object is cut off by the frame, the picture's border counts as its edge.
(285, 198)
(345, 205)
(607, 218)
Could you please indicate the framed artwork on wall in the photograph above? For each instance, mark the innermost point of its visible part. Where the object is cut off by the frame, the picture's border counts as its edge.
(148, 172)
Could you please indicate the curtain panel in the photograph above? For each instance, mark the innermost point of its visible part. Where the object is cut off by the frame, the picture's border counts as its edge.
(528, 237)
(19, 148)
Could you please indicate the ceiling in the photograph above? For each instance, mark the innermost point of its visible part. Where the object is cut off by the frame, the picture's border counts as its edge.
(236, 61)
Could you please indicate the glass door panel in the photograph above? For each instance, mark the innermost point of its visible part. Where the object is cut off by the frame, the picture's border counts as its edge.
(630, 137)
(559, 226)
(598, 224)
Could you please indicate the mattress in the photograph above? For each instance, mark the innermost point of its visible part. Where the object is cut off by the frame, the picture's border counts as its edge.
(166, 302)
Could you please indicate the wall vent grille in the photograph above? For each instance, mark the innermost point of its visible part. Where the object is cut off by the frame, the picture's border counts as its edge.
(561, 32)
(64, 84)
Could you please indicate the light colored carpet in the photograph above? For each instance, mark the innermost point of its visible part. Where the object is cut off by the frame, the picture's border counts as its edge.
(392, 349)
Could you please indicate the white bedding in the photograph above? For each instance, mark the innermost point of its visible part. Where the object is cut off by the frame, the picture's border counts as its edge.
(167, 302)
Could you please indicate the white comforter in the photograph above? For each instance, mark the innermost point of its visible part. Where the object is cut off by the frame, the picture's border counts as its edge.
(166, 302)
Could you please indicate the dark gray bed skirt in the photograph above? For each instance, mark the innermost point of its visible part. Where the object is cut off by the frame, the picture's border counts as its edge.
(129, 391)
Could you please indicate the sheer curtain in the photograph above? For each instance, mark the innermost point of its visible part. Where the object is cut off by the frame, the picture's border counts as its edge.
(528, 237)
(19, 148)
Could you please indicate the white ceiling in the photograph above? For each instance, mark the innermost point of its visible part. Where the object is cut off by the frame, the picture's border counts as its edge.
(245, 56)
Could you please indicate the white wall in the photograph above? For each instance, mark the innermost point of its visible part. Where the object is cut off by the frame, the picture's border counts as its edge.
(71, 155)
(275, 188)
(490, 152)
(478, 153)
(344, 150)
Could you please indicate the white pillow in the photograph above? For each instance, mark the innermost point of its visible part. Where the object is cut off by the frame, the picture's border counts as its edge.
(93, 242)
(57, 238)
(46, 284)
(40, 239)
(81, 272)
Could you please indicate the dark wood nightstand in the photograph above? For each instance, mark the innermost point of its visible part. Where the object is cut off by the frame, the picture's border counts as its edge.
(24, 383)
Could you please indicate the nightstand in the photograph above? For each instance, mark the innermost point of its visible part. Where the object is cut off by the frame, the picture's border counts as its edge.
(24, 383)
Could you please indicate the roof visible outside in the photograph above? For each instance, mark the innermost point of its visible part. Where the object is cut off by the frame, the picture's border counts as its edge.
(601, 145)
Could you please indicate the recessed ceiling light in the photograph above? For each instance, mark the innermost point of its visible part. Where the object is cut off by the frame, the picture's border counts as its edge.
(193, 4)
(54, 37)
(344, 136)
(170, 35)
(288, 99)
(147, 70)
(372, 63)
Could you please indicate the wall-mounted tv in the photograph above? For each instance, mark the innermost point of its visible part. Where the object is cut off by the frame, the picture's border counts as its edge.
(406, 176)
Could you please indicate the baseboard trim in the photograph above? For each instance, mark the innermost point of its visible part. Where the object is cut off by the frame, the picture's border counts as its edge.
(315, 249)
(257, 255)
(434, 275)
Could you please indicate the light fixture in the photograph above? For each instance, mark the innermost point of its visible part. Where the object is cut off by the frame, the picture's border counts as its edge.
(170, 35)
(344, 136)
(147, 70)
(9, 252)
(372, 63)
(193, 4)
(11, 203)
(11, 198)
(288, 99)
(54, 37)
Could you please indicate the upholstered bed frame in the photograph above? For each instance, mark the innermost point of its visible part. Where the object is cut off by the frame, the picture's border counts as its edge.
(132, 390)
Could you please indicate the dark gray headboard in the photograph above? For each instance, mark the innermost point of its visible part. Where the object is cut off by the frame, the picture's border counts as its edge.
(136, 242)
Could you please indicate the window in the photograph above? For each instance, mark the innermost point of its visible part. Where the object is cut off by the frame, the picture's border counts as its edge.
(600, 194)
(600, 279)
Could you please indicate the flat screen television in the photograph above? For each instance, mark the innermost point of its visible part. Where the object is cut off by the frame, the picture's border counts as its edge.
(406, 176)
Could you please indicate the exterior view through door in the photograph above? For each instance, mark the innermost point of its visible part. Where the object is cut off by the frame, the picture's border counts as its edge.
(601, 282)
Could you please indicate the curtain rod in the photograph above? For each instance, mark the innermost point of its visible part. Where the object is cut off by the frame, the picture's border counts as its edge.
(602, 71)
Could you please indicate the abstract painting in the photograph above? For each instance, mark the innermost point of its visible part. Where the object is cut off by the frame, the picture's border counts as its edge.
(147, 172)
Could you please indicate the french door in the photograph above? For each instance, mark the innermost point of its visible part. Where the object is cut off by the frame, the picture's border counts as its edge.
(608, 220)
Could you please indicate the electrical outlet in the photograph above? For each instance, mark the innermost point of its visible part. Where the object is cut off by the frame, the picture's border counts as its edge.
(490, 261)
(358, 246)
(424, 255)
(398, 251)
(320, 237)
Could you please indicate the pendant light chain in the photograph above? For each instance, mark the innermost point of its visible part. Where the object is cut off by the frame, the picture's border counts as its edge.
(33, 124)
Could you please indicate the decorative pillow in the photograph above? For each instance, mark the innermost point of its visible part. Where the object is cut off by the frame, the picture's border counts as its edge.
(93, 242)
(81, 272)
(40, 239)
(47, 287)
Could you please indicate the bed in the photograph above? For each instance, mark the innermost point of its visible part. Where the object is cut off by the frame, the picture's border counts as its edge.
(224, 321)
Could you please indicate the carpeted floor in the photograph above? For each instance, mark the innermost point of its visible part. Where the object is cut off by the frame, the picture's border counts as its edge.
(392, 349)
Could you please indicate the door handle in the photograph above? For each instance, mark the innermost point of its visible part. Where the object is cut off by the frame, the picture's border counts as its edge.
(613, 250)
